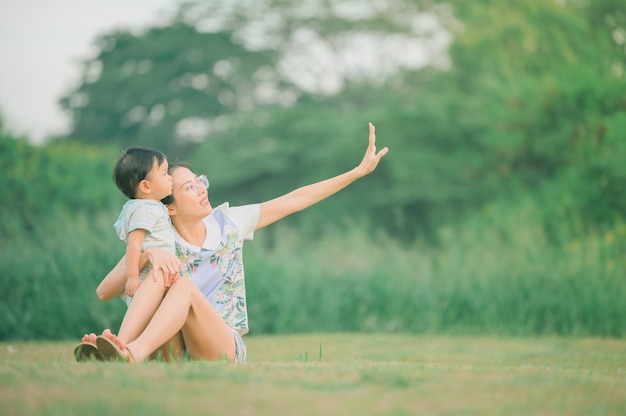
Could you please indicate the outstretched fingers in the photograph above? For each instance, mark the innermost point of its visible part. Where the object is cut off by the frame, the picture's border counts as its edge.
(371, 158)
(372, 136)
(382, 153)
(372, 144)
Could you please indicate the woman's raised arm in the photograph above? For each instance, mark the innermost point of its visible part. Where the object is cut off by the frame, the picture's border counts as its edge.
(301, 198)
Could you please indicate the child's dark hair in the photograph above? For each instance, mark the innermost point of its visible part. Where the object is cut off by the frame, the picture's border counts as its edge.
(133, 167)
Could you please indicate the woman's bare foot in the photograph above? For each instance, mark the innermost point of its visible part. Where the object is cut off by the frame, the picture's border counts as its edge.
(113, 348)
(114, 339)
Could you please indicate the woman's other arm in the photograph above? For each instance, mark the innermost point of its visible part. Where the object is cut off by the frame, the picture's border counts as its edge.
(114, 282)
(301, 198)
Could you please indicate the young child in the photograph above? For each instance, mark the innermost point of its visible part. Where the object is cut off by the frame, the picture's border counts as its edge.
(142, 175)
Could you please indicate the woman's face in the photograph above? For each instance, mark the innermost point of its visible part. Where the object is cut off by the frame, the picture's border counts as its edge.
(191, 198)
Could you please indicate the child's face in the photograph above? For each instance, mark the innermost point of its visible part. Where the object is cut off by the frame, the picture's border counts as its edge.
(160, 181)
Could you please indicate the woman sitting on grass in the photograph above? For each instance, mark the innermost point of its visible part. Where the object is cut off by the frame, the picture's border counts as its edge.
(205, 315)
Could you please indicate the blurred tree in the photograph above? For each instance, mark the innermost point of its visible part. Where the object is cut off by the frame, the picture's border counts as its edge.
(173, 86)
(325, 46)
(53, 183)
(167, 88)
(510, 109)
(528, 92)
(533, 91)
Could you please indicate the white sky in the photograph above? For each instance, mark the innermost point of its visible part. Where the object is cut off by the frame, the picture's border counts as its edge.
(42, 43)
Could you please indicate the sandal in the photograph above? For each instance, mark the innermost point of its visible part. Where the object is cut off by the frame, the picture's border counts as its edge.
(111, 351)
(87, 351)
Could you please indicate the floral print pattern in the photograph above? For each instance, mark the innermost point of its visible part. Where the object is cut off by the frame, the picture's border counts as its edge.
(220, 273)
(189, 260)
(231, 294)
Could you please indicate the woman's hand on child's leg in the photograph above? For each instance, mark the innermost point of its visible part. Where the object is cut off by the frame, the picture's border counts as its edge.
(168, 263)
(166, 278)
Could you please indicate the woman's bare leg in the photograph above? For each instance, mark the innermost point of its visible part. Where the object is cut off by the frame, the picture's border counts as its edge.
(206, 335)
(184, 307)
(172, 350)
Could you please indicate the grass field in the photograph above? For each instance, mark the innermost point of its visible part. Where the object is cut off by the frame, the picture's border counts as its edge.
(330, 374)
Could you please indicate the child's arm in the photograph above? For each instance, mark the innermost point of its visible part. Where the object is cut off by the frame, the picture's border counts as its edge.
(133, 256)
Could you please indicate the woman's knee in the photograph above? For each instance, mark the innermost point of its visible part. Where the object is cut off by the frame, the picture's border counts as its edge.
(182, 283)
(148, 284)
(183, 287)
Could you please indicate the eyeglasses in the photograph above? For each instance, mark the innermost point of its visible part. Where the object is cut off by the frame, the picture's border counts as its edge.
(195, 187)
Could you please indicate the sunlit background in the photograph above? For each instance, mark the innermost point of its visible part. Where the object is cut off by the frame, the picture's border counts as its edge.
(500, 208)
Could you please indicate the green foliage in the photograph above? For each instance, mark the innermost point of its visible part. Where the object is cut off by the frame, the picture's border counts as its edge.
(501, 272)
(262, 146)
(53, 183)
(52, 236)
(49, 276)
(533, 92)
(532, 95)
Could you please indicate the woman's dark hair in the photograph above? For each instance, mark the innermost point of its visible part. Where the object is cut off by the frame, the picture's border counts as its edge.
(170, 198)
(133, 167)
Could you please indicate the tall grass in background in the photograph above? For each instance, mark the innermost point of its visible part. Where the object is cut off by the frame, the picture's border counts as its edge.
(49, 276)
(498, 273)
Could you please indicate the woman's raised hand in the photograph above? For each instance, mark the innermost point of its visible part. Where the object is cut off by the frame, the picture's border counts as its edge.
(371, 158)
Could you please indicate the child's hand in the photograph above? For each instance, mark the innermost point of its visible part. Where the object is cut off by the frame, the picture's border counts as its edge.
(131, 285)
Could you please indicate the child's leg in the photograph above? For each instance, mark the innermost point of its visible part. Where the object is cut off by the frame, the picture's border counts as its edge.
(145, 303)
